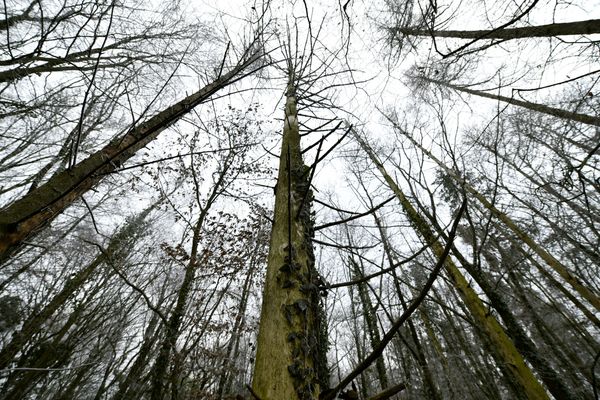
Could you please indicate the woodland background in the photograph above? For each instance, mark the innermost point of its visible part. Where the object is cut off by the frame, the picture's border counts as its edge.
(452, 151)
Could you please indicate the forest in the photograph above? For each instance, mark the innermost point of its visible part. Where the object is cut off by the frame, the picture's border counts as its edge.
(300, 200)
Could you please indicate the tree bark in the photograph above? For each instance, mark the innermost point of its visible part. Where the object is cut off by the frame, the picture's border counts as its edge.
(558, 29)
(26, 216)
(287, 346)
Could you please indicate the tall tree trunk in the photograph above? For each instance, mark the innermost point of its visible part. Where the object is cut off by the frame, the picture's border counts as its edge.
(592, 214)
(541, 108)
(370, 318)
(116, 248)
(26, 216)
(552, 262)
(364, 386)
(287, 358)
(437, 346)
(173, 325)
(129, 386)
(485, 380)
(561, 232)
(550, 279)
(567, 358)
(553, 381)
(231, 353)
(557, 29)
(501, 344)
(430, 389)
(54, 352)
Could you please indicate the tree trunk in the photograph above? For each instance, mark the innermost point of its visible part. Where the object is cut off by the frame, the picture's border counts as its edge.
(523, 343)
(360, 354)
(552, 262)
(54, 352)
(118, 244)
(437, 346)
(370, 318)
(593, 215)
(231, 353)
(173, 325)
(558, 29)
(500, 342)
(555, 112)
(130, 385)
(467, 360)
(430, 389)
(26, 216)
(288, 340)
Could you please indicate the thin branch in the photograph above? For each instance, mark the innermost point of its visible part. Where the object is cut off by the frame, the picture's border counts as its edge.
(129, 283)
(333, 207)
(310, 178)
(405, 316)
(46, 369)
(380, 272)
(372, 210)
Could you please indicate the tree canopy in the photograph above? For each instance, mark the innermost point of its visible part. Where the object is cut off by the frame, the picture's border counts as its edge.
(275, 200)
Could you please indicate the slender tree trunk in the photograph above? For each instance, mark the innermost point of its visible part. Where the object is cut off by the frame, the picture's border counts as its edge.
(556, 284)
(370, 318)
(129, 387)
(287, 358)
(26, 216)
(437, 346)
(555, 112)
(115, 249)
(173, 325)
(54, 352)
(485, 381)
(552, 262)
(592, 214)
(523, 343)
(405, 361)
(560, 232)
(172, 328)
(78, 381)
(231, 353)
(566, 358)
(364, 386)
(558, 29)
(501, 344)
(430, 389)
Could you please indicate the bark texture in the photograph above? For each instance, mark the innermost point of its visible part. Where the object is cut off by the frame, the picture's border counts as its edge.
(26, 216)
(287, 359)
